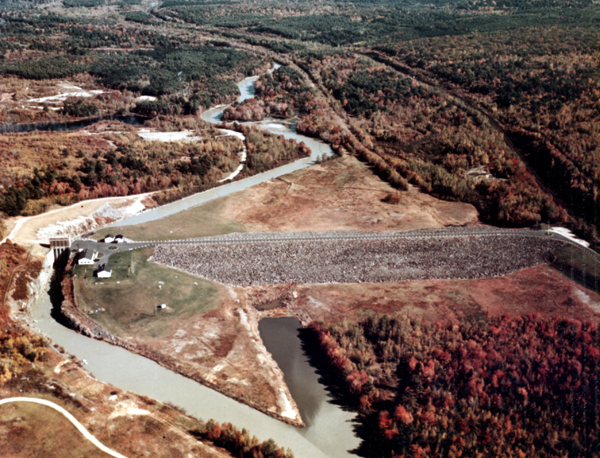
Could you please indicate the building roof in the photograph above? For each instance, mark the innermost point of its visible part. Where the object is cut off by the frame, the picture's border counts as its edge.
(106, 268)
(88, 254)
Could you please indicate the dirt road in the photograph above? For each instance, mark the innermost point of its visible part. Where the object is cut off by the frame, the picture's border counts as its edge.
(71, 418)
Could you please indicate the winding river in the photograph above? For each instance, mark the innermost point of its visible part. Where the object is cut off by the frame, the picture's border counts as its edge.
(329, 428)
(214, 115)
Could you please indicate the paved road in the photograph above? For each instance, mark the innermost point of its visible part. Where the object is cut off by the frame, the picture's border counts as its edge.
(71, 418)
(107, 249)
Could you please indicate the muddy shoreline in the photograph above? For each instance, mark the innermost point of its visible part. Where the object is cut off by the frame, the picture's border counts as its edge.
(74, 318)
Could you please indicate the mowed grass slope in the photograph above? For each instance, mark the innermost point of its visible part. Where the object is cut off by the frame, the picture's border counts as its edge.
(201, 221)
(35, 430)
(126, 304)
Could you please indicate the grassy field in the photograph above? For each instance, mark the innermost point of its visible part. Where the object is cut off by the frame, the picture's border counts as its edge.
(36, 430)
(126, 303)
(578, 266)
(201, 221)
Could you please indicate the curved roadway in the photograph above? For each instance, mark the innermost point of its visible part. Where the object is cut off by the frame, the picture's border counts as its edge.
(71, 418)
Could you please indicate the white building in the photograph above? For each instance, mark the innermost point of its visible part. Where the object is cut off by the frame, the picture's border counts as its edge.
(105, 271)
(87, 257)
(109, 239)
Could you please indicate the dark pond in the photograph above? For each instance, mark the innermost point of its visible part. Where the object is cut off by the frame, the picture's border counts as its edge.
(133, 120)
(282, 338)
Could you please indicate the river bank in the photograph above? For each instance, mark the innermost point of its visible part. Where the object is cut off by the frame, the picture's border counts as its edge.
(178, 351)
(112, 362)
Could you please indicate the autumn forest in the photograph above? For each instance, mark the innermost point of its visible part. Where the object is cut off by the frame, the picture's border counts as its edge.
(492, 103)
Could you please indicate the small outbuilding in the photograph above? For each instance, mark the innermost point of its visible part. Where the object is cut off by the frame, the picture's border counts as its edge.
(86, 257)
(109, 238)
(119, 238)
(105, 271)
(162, 306)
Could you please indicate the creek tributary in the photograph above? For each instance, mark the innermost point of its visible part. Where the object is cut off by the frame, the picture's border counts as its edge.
(329, 428)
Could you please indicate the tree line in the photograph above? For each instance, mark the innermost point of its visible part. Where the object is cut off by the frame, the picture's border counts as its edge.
(524, 386)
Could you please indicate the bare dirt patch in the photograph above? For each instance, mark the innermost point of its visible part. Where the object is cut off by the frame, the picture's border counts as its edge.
(24, 230)
(538, 289)
(342, 194)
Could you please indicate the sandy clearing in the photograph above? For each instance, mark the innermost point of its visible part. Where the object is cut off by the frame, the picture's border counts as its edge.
(126, 409)
(25, 229)
(242, 137)
(286, 408)
(60, 365)
(74, 91)
(342, 194)
(585, 298)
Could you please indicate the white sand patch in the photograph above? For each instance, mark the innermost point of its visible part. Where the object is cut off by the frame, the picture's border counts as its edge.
(41, 108)
(232, 133)
(59, 365)
(568, 234)
(71, 91)
(236, 172)
(233, 175)
(146, 97)
(211, 376)
(183, 136)
(80, 225)
(244, 320)
(133, 209)
(126, 409)
(583, 297)
(181, 345)
(287, 410)
(315, 304)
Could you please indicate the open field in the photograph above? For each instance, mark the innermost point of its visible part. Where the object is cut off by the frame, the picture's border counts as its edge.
(341, 194)
(129, 298)
(538, 289)
(48, 433)
(201, 221)
(207, 332)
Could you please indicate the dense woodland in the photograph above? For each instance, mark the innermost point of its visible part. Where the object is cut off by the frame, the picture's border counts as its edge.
(281, 94)
(505, 387)
(541, 84)
(81, 172)
(71, 167)
(436, 142)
